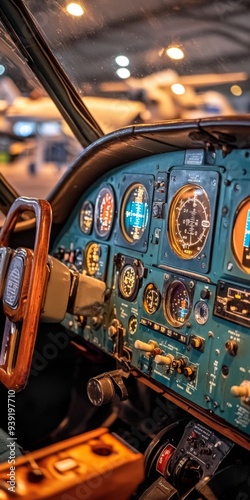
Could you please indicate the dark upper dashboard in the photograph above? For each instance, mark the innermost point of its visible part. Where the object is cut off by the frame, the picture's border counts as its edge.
(169, 235)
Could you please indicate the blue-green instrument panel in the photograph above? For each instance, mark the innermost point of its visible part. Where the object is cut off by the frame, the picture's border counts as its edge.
(170, 236)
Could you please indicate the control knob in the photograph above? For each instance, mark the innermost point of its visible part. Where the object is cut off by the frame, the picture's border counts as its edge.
(102, 389)
(231, 347)
(179, 364)
(205, 293)
(197, 342)
(189, 372)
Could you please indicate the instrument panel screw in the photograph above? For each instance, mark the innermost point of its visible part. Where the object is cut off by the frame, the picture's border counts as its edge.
(224, 210)
(230, 266)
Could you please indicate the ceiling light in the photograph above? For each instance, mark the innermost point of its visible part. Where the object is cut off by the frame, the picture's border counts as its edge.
(75, 9)
(122, 60)
(236, 90)
(175, 53)
(2, 69)
(178, 89)
(123, 73)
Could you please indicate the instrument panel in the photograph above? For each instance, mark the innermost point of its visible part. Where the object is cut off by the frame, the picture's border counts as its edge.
(171, 240)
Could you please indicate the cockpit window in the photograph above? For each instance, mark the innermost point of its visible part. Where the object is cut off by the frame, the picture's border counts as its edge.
(177, 59)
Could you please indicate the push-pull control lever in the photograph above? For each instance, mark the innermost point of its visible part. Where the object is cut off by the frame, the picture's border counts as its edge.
(242, 391)
(102, 389)
(150, 347)
(165, 360)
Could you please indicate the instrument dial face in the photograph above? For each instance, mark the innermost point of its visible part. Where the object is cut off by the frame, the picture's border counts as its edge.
(178, 304)
(189, 221)
(134, 213)
(201, 312)
(92, 257)
(86, 217)
(104, 211)
(132, 325)
(128, 281)
(151, 298)
(241, 236)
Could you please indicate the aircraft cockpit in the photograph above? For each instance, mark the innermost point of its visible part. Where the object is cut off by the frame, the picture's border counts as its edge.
(125, 292)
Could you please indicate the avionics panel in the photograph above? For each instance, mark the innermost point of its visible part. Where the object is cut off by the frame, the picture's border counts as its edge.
(175, 249)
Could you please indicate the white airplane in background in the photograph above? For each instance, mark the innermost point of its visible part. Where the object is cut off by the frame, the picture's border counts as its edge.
(167, 95)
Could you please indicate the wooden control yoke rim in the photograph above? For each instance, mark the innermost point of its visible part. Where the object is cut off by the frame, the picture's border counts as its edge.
(17, 379)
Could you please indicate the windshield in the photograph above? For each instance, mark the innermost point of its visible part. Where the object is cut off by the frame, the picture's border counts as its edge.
(168, 59)
(131, 62)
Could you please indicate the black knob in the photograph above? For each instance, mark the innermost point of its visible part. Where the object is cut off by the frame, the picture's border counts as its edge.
(100, 390)
(103, 388)
(205, 294)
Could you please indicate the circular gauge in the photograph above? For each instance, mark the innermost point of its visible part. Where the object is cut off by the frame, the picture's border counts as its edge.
(86, 217)
(104, 211)
(92, 257)
(201, 312)
(132, 324)
(177, 303)
(151, 298)
(241, 236)
(134, 212)
(189, 221)
(128, 282)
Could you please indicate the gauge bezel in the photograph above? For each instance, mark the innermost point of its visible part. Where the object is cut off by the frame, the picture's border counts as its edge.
(175, 237)
(209, 181)
(239, 233)
(168, 289)
(129, 182)
(123, 262)
(85, 204)
(125, 201)
(104, 235)
(133, 292)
